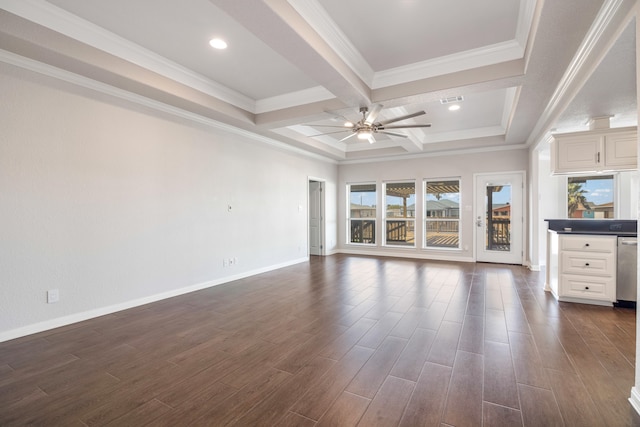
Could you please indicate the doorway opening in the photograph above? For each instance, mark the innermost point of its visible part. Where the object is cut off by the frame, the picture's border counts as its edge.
(316, 224)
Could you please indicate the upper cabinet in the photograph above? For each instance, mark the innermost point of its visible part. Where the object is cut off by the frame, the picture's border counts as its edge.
(595, 151)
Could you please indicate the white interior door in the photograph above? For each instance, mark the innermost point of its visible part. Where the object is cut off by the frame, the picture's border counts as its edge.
(315, 217)
(499, 218)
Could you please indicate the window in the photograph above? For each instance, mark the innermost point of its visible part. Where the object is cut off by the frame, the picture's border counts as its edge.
(400, 213)
(590, 197)
(442, 214)
(361, 222)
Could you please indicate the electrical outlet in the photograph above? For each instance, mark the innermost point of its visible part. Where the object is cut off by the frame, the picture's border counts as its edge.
(232, 261)
(53, 295)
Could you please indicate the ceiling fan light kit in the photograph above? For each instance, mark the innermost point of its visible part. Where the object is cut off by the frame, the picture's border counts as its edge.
(367, 125)
(364, 134)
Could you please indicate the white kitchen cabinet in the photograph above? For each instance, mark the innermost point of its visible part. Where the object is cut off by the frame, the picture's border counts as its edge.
(594, 151)
(582, 268)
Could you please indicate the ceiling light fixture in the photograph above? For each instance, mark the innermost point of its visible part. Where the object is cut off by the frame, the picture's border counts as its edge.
(218, 43)
(364, 134)
(454, 107)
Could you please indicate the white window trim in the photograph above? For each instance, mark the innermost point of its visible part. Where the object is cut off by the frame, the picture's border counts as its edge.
(384, 214)
(373, 218)
(425, 218)
(616, 194)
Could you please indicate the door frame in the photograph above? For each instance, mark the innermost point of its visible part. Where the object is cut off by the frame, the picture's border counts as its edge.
(476, 177)
(323, 215)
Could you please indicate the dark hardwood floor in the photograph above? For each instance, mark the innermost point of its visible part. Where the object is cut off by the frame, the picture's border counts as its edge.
(339, 341)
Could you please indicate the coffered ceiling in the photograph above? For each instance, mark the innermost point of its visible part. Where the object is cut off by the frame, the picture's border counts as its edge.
(295, 68)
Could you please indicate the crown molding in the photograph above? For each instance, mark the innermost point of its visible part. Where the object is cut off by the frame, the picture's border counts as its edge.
(318, 18)
(582, 65)
(525, 20)
(434, 154)
(87, 83)
(464, 134)
(293, 99)
(497, 53)
(70, 25)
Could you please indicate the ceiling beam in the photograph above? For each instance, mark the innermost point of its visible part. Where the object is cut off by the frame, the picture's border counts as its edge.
(280, 26)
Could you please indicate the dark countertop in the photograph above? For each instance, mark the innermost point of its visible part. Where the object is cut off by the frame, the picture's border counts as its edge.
(598, 233)
(606, 227)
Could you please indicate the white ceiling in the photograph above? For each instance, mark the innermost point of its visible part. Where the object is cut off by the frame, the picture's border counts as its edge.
(524, 67)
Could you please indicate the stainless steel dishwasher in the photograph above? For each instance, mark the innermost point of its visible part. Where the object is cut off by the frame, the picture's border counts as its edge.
(627, 271)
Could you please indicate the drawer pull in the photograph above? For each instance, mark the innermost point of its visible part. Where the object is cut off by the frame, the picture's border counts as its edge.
(586, 288)
(586, 244)
(586, 264)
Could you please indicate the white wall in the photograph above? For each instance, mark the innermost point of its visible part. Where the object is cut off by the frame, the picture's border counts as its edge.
(115, 205)
(462, 166)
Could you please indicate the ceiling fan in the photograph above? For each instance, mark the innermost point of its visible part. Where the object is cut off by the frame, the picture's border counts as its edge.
(366, 127)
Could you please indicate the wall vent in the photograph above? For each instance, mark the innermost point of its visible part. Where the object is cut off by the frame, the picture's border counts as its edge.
(451, 99)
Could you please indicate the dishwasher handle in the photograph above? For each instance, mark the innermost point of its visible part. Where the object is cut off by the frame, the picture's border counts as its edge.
(629, 242)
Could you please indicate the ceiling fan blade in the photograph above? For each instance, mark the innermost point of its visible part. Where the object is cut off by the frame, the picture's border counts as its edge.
(398, 119)
(393, 134)
(330, 126)
(328, 133)
(347, 137)
(373, 114)
(371, 139)
(427, 125)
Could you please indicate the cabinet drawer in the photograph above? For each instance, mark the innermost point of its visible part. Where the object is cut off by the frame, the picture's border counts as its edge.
(597, 288)
(588, 243)
(584, 263)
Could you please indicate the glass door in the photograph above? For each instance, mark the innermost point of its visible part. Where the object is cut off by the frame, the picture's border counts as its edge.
(499, 220)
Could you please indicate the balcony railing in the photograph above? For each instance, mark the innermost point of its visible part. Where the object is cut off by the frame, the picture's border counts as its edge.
(498, 234)
(400, 232)
(442, 234)
(363, 231)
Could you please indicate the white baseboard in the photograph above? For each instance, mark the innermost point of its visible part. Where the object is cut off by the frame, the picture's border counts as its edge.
(634, 399)
(412, 255)
(102, 311)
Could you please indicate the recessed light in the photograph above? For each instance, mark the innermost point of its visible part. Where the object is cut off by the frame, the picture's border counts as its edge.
(454, 107)
(218, 44)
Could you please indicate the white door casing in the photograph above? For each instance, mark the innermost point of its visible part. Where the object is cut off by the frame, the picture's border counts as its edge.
(316, 215)
(499, 231)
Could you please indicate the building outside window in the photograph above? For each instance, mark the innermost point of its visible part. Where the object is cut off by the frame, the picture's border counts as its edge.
(361, 221)
(442, 214)
(590, 197)
(400, 213)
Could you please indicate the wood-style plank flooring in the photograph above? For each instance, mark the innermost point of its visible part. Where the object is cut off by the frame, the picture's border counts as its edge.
(339, 341)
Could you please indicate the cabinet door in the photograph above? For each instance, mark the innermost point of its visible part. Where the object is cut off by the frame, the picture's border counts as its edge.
(579, 153)
(588, 264)
(621, 151)
(586, 287)
(586, 244)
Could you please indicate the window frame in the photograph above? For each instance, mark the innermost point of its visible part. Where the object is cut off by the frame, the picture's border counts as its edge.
(361, 219)
(406, 219)
(426, 219)
(616, 200)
